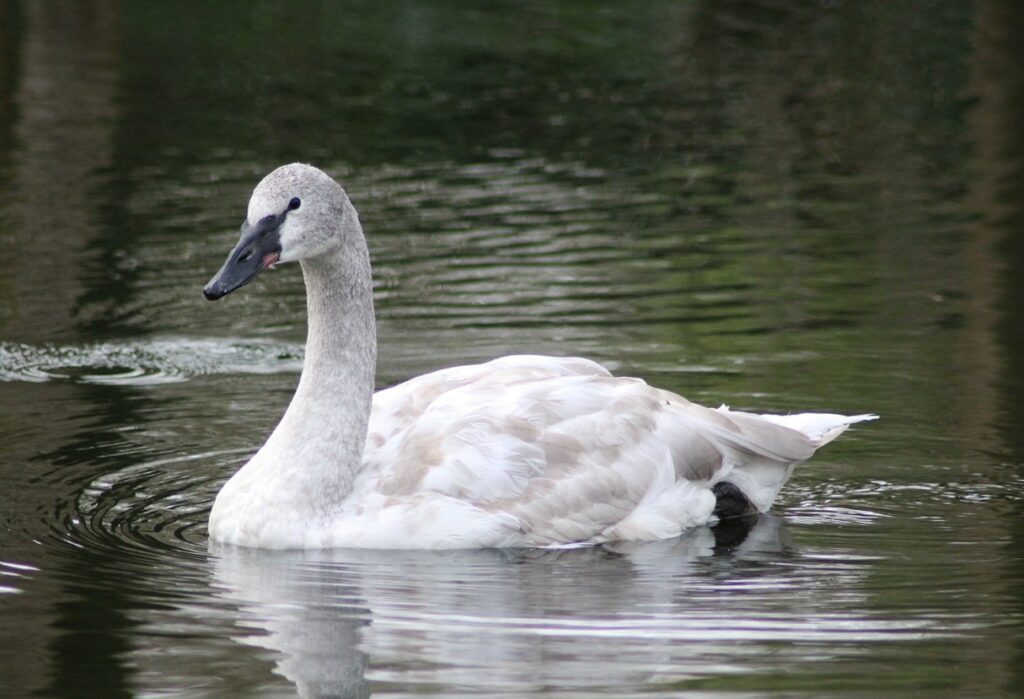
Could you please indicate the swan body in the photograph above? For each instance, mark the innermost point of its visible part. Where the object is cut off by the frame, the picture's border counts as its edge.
(519, 451)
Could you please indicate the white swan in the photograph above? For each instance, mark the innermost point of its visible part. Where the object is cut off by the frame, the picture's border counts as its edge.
(520, 451)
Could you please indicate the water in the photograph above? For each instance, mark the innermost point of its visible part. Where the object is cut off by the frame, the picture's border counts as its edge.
(774, 205)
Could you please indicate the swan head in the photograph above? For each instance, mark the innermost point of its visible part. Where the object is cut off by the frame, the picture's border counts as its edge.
(296, 212)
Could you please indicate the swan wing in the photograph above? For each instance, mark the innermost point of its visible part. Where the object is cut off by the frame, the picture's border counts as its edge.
(547, 451)
(395, 409)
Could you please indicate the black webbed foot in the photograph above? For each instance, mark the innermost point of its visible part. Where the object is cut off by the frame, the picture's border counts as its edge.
(731, 502)
(731, 533)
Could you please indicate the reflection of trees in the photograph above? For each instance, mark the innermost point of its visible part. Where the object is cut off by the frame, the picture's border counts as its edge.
(57, 108)
(10, 27)
(61, 144)
(844, 162)
(994, 342)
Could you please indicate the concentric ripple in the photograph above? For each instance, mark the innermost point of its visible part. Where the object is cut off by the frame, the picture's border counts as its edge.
(146, 510)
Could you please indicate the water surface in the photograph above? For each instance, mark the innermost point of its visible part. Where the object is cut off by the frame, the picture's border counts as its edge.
(778, 206)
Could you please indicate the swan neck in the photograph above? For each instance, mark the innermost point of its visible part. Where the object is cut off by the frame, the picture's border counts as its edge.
(323, 432)
(341, 343)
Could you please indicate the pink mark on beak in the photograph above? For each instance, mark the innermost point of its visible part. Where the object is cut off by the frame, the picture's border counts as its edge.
(270, 259)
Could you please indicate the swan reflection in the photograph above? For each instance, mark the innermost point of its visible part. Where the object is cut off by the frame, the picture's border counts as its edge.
(510, 619)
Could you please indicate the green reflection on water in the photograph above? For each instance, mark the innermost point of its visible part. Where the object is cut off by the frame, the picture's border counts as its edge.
(777, 205)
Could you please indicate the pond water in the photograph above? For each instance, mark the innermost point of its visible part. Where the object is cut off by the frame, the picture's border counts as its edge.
(776, 205)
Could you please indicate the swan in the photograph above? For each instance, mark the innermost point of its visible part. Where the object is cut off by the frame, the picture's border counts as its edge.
(529, 451)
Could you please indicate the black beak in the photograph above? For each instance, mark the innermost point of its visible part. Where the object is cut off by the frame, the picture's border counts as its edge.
(258, 248)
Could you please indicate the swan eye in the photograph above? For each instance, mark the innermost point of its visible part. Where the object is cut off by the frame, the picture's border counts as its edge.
(294, 204)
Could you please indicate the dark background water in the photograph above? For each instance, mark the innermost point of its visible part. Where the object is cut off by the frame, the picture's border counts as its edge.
(776, 205)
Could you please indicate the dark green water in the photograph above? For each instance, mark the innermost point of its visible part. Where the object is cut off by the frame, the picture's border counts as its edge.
(776, 205)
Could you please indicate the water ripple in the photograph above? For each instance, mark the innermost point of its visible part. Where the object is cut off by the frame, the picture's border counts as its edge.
(145, 362)
(12, 572)
(151, 509)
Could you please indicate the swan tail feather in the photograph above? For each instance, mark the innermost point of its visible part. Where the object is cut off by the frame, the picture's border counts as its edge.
(820, 428)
